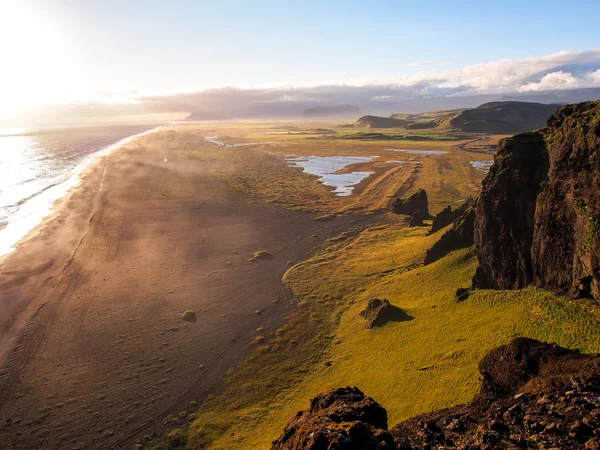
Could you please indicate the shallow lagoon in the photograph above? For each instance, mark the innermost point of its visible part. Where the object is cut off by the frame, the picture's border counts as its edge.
(327, 166)
(399, 161)
(418, 152)
(484, 166)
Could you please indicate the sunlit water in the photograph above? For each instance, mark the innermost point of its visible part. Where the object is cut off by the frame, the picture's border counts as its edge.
(418, 152)
(484, 166)
(38, 167)
(399, 161)
(327, 166)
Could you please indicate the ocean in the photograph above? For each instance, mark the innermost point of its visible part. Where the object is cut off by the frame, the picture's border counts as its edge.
(39, 166)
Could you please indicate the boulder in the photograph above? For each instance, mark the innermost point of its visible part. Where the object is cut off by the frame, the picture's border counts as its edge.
(379, 312)
(415, 206)
(341, 419)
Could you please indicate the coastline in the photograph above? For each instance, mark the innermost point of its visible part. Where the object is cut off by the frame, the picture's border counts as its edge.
(92, 301)
(52, 205)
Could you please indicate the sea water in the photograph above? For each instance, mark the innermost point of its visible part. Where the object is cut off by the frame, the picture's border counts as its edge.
(39, 166)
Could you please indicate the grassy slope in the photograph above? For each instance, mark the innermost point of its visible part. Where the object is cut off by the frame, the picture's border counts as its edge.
(410, 367)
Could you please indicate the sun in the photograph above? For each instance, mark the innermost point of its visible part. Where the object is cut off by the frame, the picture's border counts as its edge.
(36, 63)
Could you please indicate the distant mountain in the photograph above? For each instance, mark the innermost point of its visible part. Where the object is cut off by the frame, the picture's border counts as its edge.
(379, 122)
(324, 111)
(503, 117)
(556, 97)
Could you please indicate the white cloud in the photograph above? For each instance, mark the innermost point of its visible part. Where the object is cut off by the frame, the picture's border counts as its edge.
(427, 90)
(426, 63)
(554, 80)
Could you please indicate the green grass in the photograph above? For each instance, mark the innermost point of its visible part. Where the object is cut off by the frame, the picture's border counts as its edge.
(410, 367)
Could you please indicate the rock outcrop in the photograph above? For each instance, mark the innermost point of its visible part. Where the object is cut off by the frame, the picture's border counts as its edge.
(448, 215)
(566, 245)
(379, 312)
(459, 236)
(416, 206)
(538, 216)
(341, 419)
(533, 395)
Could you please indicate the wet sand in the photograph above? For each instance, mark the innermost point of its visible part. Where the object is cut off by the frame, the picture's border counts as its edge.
(93, 352)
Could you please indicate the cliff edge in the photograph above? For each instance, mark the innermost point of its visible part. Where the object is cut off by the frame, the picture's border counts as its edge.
(538, 216)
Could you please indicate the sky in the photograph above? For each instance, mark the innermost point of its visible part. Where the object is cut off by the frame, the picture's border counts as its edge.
(63, 52)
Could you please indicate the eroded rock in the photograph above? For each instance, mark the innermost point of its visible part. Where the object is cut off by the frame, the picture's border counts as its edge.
(379, 312)
(459, 236)
(416, 206)
(341, 419)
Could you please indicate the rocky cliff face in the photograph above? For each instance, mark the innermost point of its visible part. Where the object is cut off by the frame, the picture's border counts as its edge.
(538, 216)
(566, 246)
(416, 206)
(533, 395)
(459, 236)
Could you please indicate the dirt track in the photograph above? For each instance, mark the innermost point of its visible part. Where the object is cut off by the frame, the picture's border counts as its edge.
(93, 351)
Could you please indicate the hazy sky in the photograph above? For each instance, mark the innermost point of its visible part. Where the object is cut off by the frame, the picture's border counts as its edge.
(80, 49)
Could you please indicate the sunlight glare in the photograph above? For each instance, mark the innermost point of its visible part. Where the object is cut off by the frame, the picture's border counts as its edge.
(36, 64)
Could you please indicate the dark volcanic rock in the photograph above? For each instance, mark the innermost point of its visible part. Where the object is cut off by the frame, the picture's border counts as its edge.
(566, 246)
(446, 216)
(341, 419)
(538, 217)
(415, 206)
(459, 236)
(533, 395)
(416, 220)
(379, 312)
(505, 211)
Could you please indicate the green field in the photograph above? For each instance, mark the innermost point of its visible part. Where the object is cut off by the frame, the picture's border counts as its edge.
(410, 367)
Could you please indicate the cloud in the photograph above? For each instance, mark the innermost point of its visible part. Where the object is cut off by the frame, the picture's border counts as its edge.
(551, 81)
(548, 78)
(425, 63)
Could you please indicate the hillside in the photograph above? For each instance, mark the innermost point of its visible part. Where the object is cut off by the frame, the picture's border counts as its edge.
(493, 118)
(380, 122)
(536, 222)
(503, 117)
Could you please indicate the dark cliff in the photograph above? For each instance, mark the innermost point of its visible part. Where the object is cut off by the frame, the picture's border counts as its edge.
(538, 216)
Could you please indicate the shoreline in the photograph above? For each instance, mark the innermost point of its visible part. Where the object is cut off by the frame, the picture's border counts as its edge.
(94, 299)
(51, 206)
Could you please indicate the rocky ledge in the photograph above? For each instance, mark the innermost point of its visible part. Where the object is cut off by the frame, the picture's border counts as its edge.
(533, 395)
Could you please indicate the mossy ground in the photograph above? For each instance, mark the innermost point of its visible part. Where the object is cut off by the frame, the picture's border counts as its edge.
(410, 367)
